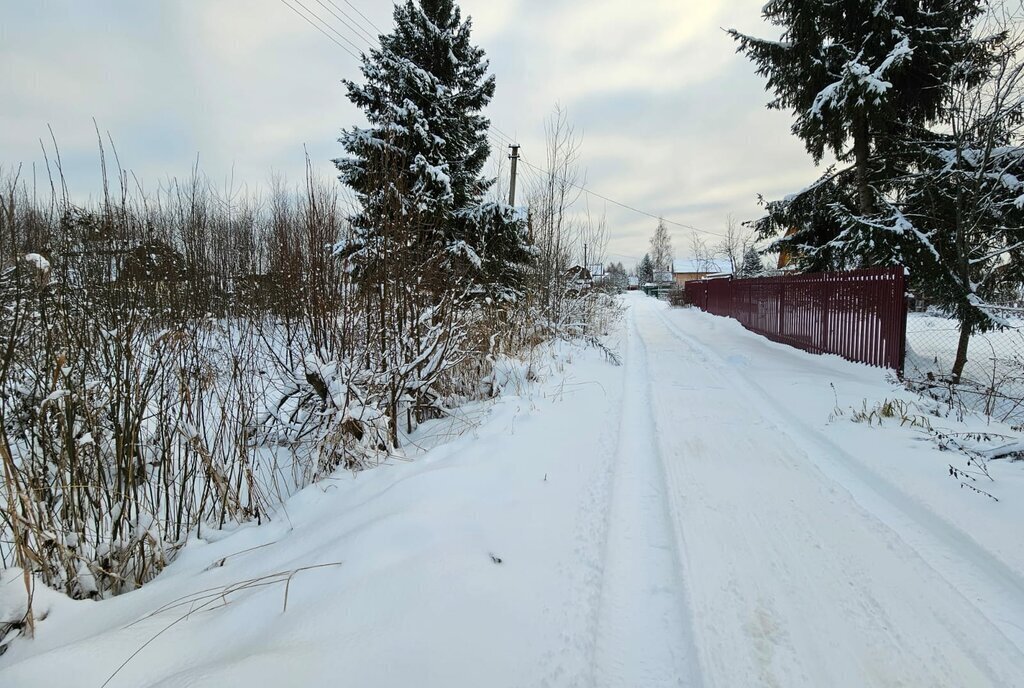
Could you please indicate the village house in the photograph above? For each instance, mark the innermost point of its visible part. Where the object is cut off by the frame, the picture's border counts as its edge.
(578, 279)
(686, 270)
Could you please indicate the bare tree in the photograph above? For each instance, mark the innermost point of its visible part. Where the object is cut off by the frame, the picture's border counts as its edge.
(499, 169)
(735, 243)
(661, 248)
(594, 237)
(552, 196)
(703, 255)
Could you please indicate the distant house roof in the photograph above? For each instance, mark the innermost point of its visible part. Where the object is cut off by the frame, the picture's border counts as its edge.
(690, 266)
(578, 272)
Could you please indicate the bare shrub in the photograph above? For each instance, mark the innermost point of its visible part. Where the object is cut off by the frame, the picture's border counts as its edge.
(186, 360)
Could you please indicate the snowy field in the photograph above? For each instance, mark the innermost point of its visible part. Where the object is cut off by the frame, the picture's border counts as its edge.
(707, 514)
(993, 379)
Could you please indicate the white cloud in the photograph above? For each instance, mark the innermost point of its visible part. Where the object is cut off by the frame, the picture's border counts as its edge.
(674, 121)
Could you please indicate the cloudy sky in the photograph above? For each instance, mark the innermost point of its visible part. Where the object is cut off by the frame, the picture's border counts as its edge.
(673, 121)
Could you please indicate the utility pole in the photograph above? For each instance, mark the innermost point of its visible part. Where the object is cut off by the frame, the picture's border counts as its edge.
(512, 187)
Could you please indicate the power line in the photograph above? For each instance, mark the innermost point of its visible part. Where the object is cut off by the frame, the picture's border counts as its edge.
(329, 36)
(496, 137)
(320, 19)
(358, 29)
(534, 177)
(500, 137)
(369, 40)
(619, 203)
(379, 30)
(503, 134)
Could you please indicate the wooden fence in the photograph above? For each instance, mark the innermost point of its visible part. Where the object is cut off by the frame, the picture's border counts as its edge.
(859, 315)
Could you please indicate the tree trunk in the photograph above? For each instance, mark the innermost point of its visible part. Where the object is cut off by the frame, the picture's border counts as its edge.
(862, 155)
(961, 351)
(963, 272)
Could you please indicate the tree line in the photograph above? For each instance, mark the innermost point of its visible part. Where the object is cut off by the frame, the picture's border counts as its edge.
(735, 251)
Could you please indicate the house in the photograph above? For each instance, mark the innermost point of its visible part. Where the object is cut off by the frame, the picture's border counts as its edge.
(634, 283)
(686, 270)
(787, 256)
(663, 277)
(578, 279)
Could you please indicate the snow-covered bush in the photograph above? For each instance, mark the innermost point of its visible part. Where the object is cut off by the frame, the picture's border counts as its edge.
(150, 390)
(186, 362)
(132, 369)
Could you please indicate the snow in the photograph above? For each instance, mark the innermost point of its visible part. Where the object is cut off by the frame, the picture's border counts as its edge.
(706, 514)
(692, 265)
(436, 173)
(461, 248)
(38, 262)
(826, 97)
(859, 79)
(900, 53)
(824, 552)
(992, 377)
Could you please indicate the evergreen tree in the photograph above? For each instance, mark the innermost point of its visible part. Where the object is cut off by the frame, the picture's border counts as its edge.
(958, 221)
(504, 254)
(752, 265)
(615, 276)
(418, 163)
(936, 144)
(956, 216)
(645, 269)
(861, 70)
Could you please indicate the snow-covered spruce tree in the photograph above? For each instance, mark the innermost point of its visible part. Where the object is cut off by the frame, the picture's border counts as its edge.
(498, 238)
(811, 221)
(423, 95)
(425, 247)
(645, 269)
(855, 73)
(751, 265)
(956, 213)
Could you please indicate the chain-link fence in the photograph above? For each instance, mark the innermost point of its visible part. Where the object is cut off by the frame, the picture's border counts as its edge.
(993, 378)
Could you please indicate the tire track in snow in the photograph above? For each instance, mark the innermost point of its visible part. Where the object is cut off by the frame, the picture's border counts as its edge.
(643, 635)
(995, 589)
(795, 582)
(570, 664)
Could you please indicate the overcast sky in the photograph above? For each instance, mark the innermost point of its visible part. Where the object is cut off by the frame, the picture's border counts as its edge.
(673, 120)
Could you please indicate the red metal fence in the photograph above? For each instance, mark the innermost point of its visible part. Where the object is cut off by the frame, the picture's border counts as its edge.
(859, 315)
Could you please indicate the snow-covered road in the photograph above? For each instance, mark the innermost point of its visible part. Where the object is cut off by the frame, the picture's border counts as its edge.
(791, 581)
(691, 518)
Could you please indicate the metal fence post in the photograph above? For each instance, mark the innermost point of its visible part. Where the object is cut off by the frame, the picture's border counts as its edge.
(825, 305)
(901, 292)
(782, 307)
